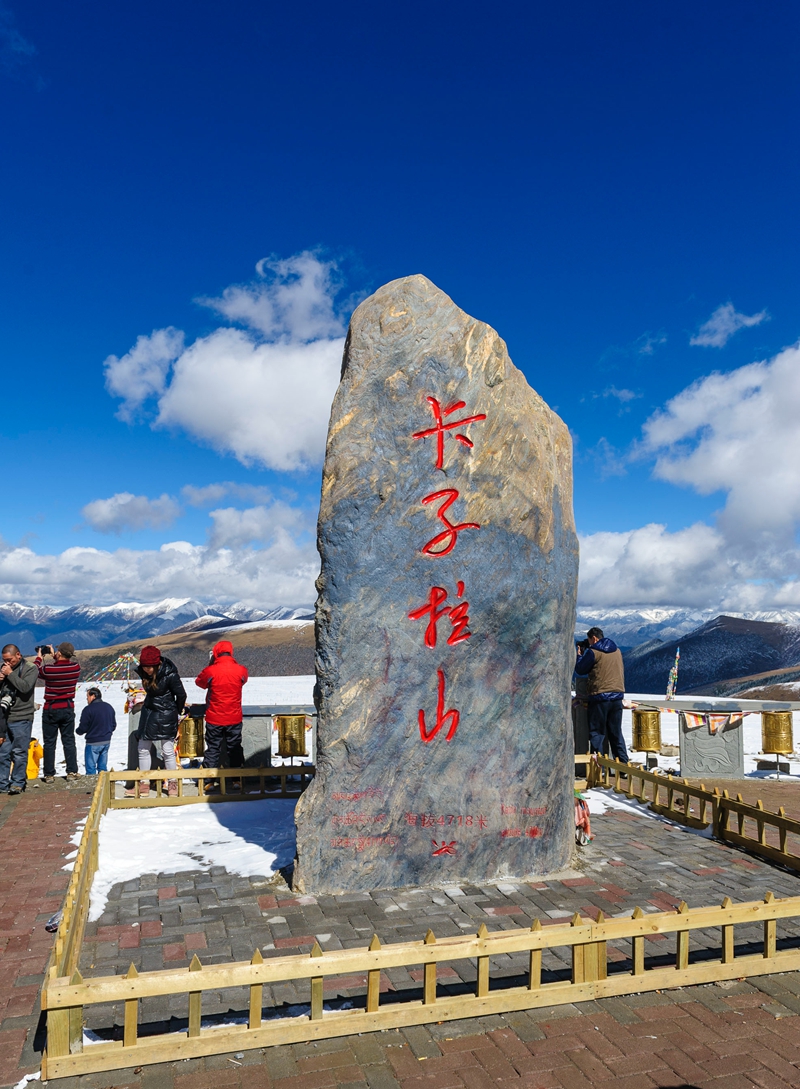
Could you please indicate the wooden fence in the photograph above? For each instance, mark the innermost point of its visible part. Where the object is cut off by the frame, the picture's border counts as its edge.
(65, 1033)
(66, 952)
(760, 832)
(591, 977)
(235, 785)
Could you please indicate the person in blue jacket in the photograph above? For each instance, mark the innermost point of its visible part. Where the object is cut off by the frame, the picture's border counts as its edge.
(98, 723)
(602, 664)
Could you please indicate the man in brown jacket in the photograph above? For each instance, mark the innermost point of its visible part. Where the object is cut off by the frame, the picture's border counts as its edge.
(602, 664)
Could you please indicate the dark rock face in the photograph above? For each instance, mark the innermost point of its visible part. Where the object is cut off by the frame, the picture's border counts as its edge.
(445, 614)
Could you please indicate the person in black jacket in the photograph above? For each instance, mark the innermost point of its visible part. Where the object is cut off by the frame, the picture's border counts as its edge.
(165, 699)
(98, 723)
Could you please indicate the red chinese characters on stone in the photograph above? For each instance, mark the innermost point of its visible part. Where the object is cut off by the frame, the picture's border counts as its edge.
(442, 717)
(435, 608)
(449, 535)
(444, 849)
(440, 427)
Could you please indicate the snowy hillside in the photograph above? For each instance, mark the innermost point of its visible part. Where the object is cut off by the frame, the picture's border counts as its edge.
(102, 625)
(630, 627)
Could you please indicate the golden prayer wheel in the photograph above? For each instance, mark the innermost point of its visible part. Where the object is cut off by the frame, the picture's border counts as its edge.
(647, 731)
(192, 739)
(776, 732)
(291, 735)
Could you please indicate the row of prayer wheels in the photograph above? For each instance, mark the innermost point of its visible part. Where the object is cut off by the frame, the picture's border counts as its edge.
(776, 731)
(291, 736)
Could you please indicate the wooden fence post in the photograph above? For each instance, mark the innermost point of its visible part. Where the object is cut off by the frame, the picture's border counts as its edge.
(682, 940)
(482, 988)
(770, 930)
(578, 954)
(195, 1000)
(374, 979)
(637, 958)
(131, 1025)
(429, 975)
(535, 967)
(256, 995)
(728, 949)
(76, 1020)
(317, 987)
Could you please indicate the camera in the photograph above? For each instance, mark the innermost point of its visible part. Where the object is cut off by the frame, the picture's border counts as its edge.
(45, 648)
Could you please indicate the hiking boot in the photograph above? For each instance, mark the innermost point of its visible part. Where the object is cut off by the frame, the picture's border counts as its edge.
(144, 790)
(73, 775)
(211, 787)
(49, 778)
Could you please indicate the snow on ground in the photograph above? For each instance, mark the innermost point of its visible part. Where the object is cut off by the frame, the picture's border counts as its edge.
(600, 801)
(247, 838)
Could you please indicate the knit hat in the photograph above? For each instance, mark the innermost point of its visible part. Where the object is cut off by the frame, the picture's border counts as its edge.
(150, 656)
(66, 650)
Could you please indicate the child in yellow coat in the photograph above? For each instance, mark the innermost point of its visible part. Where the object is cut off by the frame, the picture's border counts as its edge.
(35, 754)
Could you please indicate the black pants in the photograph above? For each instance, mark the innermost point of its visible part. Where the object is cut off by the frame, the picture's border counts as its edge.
(54, 723)
(231, 736)
(605, 720)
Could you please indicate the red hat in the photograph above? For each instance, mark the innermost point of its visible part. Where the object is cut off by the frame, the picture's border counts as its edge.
(150, 656)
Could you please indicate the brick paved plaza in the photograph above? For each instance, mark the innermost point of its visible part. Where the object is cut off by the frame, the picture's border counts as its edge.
(728, 1035)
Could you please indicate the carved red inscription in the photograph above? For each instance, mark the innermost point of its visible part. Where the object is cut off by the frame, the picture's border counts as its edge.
(444, 848)
(440, 427)
(442, 716)
(449, 535)
(434, 608)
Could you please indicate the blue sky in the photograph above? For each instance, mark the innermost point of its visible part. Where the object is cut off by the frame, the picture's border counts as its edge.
(598, 182)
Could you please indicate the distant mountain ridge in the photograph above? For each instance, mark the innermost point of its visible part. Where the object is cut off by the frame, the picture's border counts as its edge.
(630, 627)
(89, 626)
(723, 648)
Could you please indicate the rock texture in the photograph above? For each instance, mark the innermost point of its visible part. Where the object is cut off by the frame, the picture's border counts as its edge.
(445, 613)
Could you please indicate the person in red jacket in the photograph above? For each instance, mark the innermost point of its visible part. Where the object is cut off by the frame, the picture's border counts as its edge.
(224, 678)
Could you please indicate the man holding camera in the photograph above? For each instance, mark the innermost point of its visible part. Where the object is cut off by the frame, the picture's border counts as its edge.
(601, 662)
(18, 678)
(58, 717)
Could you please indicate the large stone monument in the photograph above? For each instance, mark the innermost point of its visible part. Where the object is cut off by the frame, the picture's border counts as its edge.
(445, 614)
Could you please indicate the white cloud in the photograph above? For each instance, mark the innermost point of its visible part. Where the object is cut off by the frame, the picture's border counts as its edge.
(296, 304)
(238, 528)
(213, 493)
(267, 404)
(262, 393)
(621, 395)
(282, 573)
(737, 433)
(142, 372)
(723, 323)
(125, 511)
(732, 433)
(647, 343)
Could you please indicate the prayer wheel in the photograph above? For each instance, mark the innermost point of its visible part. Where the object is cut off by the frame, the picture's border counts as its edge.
(776, 732)
(192, 739)
(647, 731)
(291, 735)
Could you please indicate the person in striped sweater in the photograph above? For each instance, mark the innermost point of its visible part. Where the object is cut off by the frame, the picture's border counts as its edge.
(58, 717)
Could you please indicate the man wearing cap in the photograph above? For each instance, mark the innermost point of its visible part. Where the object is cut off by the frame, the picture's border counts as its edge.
(58, 717)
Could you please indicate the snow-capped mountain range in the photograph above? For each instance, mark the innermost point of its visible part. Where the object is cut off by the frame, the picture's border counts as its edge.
(630, 627)
(98, 626)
